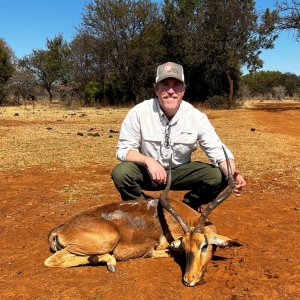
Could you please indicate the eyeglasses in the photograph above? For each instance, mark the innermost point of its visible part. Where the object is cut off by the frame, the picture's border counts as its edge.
(176, 87)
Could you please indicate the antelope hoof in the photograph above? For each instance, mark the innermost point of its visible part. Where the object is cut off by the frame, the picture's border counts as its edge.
(111, 268)
(148, 254)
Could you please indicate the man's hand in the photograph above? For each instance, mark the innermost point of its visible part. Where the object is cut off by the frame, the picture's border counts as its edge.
(239, 180)
(156, 170)
(239, 183)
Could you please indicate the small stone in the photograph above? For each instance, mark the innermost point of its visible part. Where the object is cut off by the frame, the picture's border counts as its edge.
(93, 134)
(113, 131)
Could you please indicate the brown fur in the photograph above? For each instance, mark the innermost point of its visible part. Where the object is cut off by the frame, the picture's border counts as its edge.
(121, 231)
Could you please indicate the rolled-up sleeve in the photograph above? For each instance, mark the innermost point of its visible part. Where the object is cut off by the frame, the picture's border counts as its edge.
(130, 135)
(210, 142)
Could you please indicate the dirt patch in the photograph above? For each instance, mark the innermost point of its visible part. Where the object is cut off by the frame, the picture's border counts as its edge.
(49, 172)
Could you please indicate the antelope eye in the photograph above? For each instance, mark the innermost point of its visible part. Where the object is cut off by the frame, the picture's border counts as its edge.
(204, 247)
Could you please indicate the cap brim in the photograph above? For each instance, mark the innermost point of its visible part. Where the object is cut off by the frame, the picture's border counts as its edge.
(169, 76)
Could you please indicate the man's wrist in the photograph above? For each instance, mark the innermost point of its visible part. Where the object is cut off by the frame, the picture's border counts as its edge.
(148, 160)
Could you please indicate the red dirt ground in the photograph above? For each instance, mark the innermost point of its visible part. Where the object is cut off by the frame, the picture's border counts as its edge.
(35, 198)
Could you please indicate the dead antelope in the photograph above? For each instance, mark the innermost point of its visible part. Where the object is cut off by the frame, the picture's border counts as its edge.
(140, 228)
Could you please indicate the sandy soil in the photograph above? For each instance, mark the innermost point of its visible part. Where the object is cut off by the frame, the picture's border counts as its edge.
(56, 162)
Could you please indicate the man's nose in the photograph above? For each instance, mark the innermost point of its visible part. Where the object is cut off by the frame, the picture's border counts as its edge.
(170, 89)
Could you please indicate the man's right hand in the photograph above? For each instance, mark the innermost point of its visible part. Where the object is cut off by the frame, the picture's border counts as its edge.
(156, 170)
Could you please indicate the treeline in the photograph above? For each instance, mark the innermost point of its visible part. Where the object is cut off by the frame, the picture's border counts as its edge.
(119, 43)
(270, 85)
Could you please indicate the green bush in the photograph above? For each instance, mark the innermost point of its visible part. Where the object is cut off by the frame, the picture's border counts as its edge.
(216, 102)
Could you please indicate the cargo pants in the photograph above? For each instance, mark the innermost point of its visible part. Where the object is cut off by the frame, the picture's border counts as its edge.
(203, 181)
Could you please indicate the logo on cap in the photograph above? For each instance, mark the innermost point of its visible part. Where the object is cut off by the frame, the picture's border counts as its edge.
(169, 68)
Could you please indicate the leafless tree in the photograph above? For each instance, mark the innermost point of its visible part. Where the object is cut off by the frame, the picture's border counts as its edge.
(289, 16)
(244, 92)
(279, 92)
(21, 84)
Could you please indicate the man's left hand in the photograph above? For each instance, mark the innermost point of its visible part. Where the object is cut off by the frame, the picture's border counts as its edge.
(239, 183)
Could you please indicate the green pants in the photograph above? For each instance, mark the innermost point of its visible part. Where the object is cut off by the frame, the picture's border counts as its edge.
(204, 181)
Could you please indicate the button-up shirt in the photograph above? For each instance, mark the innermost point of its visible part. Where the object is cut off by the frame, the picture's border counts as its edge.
(146, 129)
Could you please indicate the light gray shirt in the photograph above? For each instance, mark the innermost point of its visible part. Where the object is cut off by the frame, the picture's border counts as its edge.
(146, 129)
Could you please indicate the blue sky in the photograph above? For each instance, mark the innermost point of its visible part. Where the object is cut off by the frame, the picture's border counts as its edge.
(26, 24)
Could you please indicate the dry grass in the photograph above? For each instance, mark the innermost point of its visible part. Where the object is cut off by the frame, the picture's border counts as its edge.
(56, 136)
(253, 103)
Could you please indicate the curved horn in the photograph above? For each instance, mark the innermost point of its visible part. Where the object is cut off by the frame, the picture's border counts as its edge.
(212, 205)
(165, 204)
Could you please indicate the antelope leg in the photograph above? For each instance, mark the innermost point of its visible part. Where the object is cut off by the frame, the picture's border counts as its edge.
(65, 259)
(157, 253)
(109, 259)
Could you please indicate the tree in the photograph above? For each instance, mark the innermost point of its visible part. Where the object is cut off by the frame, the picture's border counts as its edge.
(88, 59)
(6, 67)
(264, 82)
(21, 83)
(50, 66)
(289, 16)
(213, 39)
(181, 19)
(232, 35)
(292, 84)
(127, 34)
(279, 92)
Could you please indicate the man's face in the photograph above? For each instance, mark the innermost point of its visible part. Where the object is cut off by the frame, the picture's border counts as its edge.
(169, 92)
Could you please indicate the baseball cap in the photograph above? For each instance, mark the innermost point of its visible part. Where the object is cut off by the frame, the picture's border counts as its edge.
(169, 69)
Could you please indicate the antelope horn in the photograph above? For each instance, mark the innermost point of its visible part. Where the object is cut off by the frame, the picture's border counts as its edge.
(212, 205)
(165, 204)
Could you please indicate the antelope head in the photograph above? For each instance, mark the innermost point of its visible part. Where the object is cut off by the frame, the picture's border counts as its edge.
(199, 242)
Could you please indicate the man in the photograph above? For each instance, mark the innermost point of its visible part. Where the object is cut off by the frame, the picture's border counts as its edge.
(167, 125)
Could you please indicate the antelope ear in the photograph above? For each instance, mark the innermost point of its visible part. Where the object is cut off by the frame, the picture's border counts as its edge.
(176, 245)
(223, 241)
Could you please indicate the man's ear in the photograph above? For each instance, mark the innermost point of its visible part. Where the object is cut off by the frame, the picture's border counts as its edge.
(155, 86)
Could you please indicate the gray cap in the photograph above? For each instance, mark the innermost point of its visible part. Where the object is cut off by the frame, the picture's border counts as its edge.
(168, 70)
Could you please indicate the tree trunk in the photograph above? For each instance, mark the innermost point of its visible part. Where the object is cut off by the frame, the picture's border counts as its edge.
(50, 93)
(230, 93)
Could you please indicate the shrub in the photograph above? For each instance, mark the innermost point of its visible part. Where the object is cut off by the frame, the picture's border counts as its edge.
(279, 92)
(216, 102)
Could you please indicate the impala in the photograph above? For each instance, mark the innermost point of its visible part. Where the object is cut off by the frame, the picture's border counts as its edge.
(140, 228)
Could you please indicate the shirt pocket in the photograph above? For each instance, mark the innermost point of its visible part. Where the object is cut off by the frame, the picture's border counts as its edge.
(184, 143)
(151, 145)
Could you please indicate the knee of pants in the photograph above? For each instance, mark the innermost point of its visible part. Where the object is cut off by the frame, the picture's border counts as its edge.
(215, 177)
(216, 181)
(124, 174)
(118, 174)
